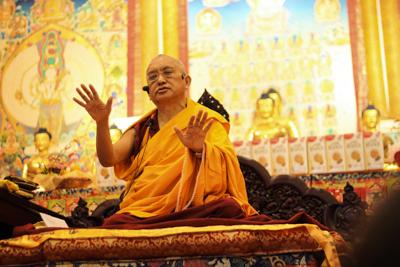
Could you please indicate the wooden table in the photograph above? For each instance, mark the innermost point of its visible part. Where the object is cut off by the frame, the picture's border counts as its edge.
(16, 210)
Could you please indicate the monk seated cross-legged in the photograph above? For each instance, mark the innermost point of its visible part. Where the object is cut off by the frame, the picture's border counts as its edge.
(181, 170)
(178, 161)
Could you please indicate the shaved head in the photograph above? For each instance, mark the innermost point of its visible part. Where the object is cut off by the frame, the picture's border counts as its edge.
(176, 62)
(167, 81)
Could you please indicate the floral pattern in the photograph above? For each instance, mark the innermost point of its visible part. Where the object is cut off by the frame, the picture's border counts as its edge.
(282, 260)
(211, 242)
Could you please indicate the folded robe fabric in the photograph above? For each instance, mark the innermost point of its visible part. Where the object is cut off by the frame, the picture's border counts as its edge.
(165, 176)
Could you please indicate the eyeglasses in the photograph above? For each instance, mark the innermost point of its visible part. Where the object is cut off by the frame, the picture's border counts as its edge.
(153, 76)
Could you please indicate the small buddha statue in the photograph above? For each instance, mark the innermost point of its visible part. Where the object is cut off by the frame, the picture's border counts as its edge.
(38, 164)
(370, 119)
(272, 93)
(266, 122)
(55, 170)
(275, 95)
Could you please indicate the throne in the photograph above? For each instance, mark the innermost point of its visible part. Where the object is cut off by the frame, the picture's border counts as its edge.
(274, 244)
(280, 198)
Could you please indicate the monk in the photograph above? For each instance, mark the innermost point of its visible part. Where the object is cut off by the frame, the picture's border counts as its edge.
(179, 164)
(177, 159)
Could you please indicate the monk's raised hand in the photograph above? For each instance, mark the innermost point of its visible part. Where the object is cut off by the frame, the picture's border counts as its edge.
(92, 103)
(195, 133)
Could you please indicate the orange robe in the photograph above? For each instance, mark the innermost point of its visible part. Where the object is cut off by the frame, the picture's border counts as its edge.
(170, 178)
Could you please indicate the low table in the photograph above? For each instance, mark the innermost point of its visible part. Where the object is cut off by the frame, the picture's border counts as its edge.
(16, 210)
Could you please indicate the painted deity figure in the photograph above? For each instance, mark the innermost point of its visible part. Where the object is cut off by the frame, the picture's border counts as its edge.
(267, 16)
(51, 84)
(327, 10)
(18, 25)
(46, 11)
(7, 10)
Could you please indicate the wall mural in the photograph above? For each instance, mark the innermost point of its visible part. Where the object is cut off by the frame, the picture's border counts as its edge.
(241, 48)
(48, 48)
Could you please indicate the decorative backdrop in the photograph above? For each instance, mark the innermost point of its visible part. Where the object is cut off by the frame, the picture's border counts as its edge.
(238, 49)
(47, 49)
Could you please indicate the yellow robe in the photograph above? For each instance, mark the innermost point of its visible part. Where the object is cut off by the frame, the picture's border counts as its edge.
(170, 178)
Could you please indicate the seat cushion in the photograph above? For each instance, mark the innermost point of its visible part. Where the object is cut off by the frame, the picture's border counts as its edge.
(113, 244)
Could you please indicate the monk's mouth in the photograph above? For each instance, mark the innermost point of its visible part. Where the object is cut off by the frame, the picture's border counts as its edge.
(162, 90)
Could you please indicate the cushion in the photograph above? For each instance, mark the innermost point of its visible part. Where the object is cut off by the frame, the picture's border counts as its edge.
(109, 244)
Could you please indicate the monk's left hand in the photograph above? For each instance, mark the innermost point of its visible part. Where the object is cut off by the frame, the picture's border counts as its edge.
(195, 133)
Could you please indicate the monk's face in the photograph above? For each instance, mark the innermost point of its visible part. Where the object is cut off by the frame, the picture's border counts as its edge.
(167, 80)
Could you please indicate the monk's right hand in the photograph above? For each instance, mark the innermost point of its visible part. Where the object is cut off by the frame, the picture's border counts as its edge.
(92, 103)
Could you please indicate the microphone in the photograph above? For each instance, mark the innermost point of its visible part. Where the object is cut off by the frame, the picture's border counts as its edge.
(146, 88)
(152, 124)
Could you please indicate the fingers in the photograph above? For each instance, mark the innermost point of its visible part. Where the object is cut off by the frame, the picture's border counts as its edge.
(94, 92)
(196, 121)
(208, 126)
(204, 119)
(198, 118)
(109, 102)
(191, 124)
(79, 102)
(87, 91)
(87, 94)
(83, 96)
(201, 119)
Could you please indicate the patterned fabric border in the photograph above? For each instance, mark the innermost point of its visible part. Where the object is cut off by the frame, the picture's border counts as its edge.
(283, 260)
(102, 244)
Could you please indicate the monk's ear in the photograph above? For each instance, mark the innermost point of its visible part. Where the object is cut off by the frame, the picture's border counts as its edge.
(188, 81)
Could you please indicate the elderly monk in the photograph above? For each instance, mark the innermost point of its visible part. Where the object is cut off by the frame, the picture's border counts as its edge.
(177, 157)
(180, 166)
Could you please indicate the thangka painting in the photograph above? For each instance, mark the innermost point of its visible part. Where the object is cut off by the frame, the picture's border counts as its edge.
(241, 48)
(47, 49)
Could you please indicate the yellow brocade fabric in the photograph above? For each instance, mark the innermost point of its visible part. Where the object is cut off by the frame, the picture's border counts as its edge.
(175, 241)
(169, 178)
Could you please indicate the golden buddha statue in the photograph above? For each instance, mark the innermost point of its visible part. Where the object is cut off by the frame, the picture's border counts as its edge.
(272, 93)
(370, 123)
(53, 170)
(38, 164)
(289, 124)
(267, 122)
(370, 119)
